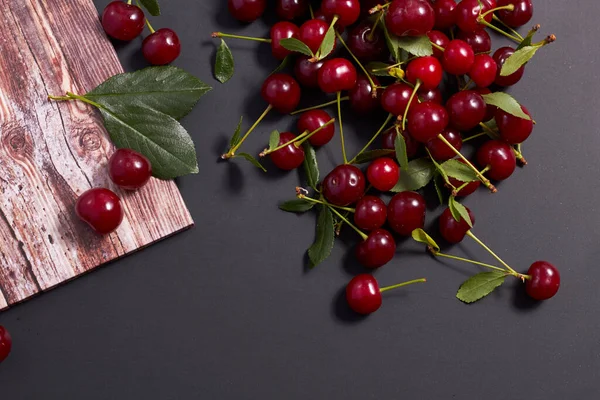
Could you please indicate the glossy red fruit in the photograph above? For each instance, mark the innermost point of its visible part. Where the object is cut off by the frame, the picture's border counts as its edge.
(395, 97)
(454, 231)
(433, 95)
(129, 169)
(291, 9)
(344, 185)
(336, 75)
(363, 295)
(500, 56)
(490, 109)
(458, 57)
(484, 69)
(445, 13)
(426, 120)
(5, 343)
(362, 99)
(409, 17)
(519, 16)
(439, 150)
(426, 69)
(513, 130)
(246, 10)
(370, 213)
(282, 30)
(366, 44)
(162, 47)
(282, 92)
(467, 12)
(469, 189)
(383, 174)
(347, 11)
(377, 250)
(406, 212)
(544, 282)
(440, 39)
(499, 156)
(307, 72)
(480, 41)
(389, 141)
(312, 33)
(291, 156)
(466, 109)
(101, 209)
(311, 121)
(123, 21)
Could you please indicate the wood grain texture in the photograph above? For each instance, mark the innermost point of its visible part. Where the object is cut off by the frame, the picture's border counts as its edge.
(50, 152)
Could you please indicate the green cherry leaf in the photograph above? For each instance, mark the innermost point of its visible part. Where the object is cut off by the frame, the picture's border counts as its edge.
(419, 174)
(480, 285)
(392, 43)
(528, 39)
(505, 102)
(235, 139)
(311, 167)
(252, 161)
(224, 65)
(274, 140)
(438, 168)
(370, 155)
(438, 187)
(295, 45)
(282, 65)
(296, 206)
(152, 7)
(325, 237)
(419, 46)
(518, 59)
(378, 68)
(459, 171)
(400, 147)
(327, 44)
(419, 235)
(459, 212)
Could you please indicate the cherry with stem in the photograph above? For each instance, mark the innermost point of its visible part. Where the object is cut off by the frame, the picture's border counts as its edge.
(298, 140)
(363, 293)
(373, 85)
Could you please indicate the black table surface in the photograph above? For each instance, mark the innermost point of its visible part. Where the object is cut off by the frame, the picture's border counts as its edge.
(228, 311)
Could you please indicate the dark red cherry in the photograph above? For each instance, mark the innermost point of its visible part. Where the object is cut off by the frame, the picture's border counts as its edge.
(311, 121)
(433, 95)
(440, 39)
(377, 250)
(395, 97)
(101, 209)
(347, 11)
(282, 92)
(544, 282)
(129, 169)
(513, 130)
(366, 44)
(389, 141)
(291, 9)
(409, 17)
(123, 21)
(426, 120)
(362, 99)
(6, 342)
(490, 109)
(466, 109)
(370, 213)
(445, 13)
(454, 231)
(499, 156)
(439, 150)
(282, 30)
(312, 33)
(469, 189)
(291, 156)
(480, 41)
(383, 174)
(162, 47)
(363, 295)
(519, 16)
(344, 185)
(458, 57)
(406, 212)
(246, 10)
(484, 69)
(500, 56)
(336, 75)
(426, 69)
(467, 13)
(307, 72)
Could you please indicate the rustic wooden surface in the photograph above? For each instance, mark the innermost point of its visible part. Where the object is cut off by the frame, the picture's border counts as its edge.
(50, 153)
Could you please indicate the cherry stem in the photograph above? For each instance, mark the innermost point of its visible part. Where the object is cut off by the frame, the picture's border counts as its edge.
(509, 7)
(379, 7)
(232, 151)
(437, 46)
(298, 140)
(308, 136)
(361, 233)
(311, 11)
(149, 26)
(518, 152)
(511, 30)
(319, 106)
(481, 177)
(227, 35)
(466, 86)
(494, 135)
(72, 96)
(475, 136)
(310, 199)
(438, 254)
(370, 35)
(472, 236)
(362, 67)
(375, 136)
(339, 109)
(385, 289)
(412, 96)
(500, 31)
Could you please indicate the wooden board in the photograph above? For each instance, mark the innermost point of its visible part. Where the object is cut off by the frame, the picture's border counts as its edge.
(50, 153)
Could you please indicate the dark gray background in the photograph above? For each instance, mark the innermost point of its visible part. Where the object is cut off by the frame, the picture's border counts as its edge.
(227, 311)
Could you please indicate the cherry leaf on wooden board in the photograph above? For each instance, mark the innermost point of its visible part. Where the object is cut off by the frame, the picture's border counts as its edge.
(370, 155)
(295, 45)
(311, 168)
(296, 206)
(505, 102)
(518, 59)
(400, 147)
(459, 212)
(419, 46)
(419, 174)
(224, 64)
(419, 235)
(325, 237)
(169, 90)
(460, 171)
(480, 285)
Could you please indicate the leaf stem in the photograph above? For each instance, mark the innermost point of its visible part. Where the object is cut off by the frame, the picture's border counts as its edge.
(232, 151)
(385, 289)
(339, 109)
(437, 46)
(319, 106)
(468, 261)
(227, 35)
(375, 136)
(322, 202)
(412, 96)
(373, 86)
(517, 34)
(370, 35)
(472, 236)
(73, 96)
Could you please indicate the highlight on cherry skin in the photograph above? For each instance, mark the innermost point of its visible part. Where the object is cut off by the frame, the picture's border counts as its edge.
(101, 209)
(123, 21)
(129, 169)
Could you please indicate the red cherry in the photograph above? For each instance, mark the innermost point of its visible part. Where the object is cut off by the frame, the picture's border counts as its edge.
(363, 295)
(445, 13)
(366, 44)
(426, 120)
(291, 9)
(458, 57)
(466, 110)
(433, 95)
(406, 212)
(101, 209)
(395, 97)
(361, 96)
(513, 130)
(282, 92)
(6, 343)
(383, 174)
(440, 39)
(409, 17)
(439, 150)
(389, 141)
(370, 213)
(311, 121)
(469, 189)
(467, 13)
(336, 75)
(377, 250)
(426, 69)
(123, 21)
(519, 16)
(544, 282)
(246, 10)
(344, 185)
(129, 169)
(480, 41)
(307, 72)
(500, 56)
(484, 69)
(282, 30)
(499, 156)
(312, 33)
(490, 109)
(291, 156)
(162, 47)
(347, 11)
(454, 231)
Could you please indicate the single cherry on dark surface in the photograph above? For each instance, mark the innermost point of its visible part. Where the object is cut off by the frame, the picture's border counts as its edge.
(161, 47)
(543, 282)
(409, 17)
(123, 21)
(454, 231)
(6, 343)
(363, 294)
(377, 249)
(370, 213)
(439, 150)
(337, 75)
(406, 212)
(289, 157)
(500, 56)
(383, 173)
(282, 92)
(311, 121)
(344, 185)
(363, 97)
(291, 9)
(513, 130)
(246, 10)
(499, 157)
(129, 169)
(466, 109)
(426, 120)
(101, 209)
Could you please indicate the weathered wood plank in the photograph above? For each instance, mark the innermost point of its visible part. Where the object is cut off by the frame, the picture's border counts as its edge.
(50, 153)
